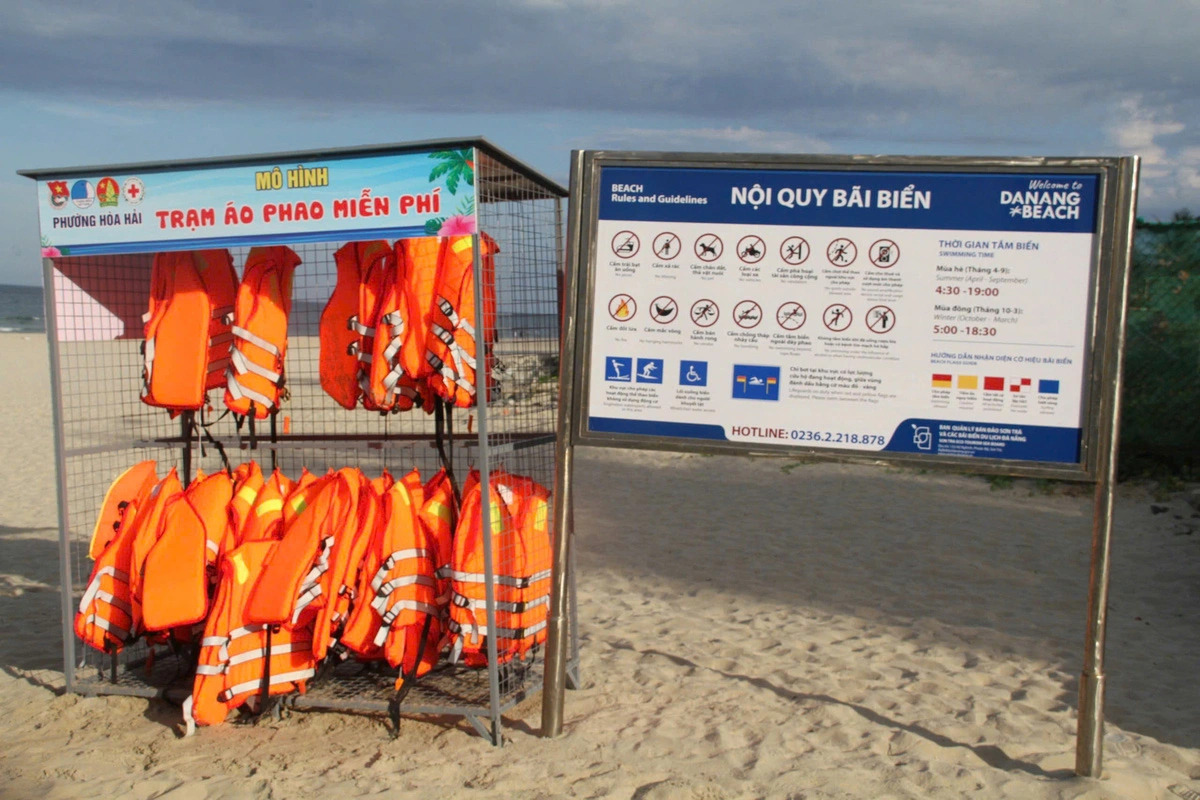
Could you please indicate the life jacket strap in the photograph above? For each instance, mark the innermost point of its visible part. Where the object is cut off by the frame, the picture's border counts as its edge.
(380, 601)
(501, 633)
(391, 560)
(237, 391)
(447, 338)
(115, 602)
(254, 685)
(449, 374)
(222, 312)
(393, 612)
(458, 322)
(501, 580)
(89, 594)
(243, 365)
(475, 604)
(356, 326)
(107, 625)
(255, 339)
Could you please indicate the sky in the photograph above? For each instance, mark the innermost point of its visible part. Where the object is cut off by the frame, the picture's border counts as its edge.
(105, 82)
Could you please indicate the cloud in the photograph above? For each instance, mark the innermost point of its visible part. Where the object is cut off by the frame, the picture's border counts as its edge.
(742, 138)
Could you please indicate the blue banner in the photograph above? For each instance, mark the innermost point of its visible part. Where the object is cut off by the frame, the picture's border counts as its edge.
(1021, 202)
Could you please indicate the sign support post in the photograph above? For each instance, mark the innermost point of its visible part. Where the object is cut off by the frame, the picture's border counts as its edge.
(1089, 738)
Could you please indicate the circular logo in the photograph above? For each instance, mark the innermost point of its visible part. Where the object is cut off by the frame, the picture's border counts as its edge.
(133, 190)
(107, 192)
(83, 194)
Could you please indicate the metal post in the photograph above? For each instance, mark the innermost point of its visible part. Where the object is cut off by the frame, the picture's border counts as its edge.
(1089, 742)
(553, 693)
(60, 468)
(485, 495)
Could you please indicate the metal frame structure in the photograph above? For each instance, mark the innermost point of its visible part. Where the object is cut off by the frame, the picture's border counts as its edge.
(1107, 295)
(513, 429)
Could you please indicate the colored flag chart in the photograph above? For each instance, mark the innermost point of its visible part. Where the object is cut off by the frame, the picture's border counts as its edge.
(988, 383)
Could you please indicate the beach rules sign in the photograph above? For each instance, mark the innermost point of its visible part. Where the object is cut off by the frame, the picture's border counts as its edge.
(938, 309)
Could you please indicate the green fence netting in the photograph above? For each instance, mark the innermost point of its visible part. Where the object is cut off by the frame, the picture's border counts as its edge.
(1160, 425)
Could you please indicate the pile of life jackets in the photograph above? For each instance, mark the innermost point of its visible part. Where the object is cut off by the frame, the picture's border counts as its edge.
(399, 330)
(264, 579)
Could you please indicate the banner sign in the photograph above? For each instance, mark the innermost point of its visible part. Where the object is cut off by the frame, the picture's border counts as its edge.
(940, 312)
(397, 195)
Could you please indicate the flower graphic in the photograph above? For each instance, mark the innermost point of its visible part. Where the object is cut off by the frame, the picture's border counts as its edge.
(458, 225)
(51, 252)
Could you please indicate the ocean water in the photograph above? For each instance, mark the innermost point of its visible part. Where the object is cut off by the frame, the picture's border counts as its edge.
(21, 309)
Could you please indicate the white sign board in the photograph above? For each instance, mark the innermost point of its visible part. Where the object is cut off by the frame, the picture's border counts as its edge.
(920, 310)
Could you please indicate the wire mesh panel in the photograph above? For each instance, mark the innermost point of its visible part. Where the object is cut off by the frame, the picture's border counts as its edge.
(506, 432)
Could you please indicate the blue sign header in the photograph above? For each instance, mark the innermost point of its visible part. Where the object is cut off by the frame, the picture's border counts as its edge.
(1022, 202)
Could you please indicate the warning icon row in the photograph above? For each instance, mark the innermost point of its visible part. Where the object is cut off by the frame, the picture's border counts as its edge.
(749, 314)
(750, 249)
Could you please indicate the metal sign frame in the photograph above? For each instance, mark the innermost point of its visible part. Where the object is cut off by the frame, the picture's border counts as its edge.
(1108, 267)
(1099, 407)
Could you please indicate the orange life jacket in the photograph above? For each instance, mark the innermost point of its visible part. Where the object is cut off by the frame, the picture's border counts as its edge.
(247, 483)
(255, 377)
(438, 515)
(266, 517)
(397, 588)
(452, 346)
(520, 563)
(422, 256)
(131, 483)
(236, 655)
(291, 580)
(350, 319)
(175, 580)
(187, 331)
(391, 386)
(105, 616)
(147, 527)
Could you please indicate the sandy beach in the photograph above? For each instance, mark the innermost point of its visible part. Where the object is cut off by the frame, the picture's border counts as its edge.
(750, 628)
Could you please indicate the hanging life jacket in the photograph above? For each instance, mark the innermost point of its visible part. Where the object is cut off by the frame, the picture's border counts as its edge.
(521, 560)
(187, 333)
(237, 657)
(104, 619)
(391, 386)
(129, 485)
(175, 580)
(255, 378)
(350, 318)
(453, 345)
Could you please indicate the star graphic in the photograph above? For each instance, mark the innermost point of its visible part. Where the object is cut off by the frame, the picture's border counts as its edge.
(1014, 211)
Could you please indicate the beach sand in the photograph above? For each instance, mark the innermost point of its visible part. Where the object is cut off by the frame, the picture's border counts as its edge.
(750, 627)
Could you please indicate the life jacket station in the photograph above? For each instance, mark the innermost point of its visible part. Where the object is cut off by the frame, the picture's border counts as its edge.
(305, 411)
